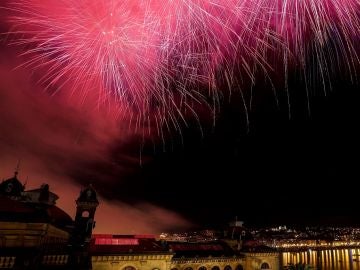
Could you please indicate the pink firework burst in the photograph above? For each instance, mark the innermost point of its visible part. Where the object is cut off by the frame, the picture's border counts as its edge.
(161, 57)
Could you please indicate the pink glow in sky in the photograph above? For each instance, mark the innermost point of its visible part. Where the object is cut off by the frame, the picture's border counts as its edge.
(166, 57)
(52, 138)
(79, 76)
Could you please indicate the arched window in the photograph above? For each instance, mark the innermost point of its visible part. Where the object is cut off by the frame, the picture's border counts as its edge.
(129, 268)
(202, 268)
(188, 268)
(215, 268)
(239, 267)
(228, 267)
(265, 266)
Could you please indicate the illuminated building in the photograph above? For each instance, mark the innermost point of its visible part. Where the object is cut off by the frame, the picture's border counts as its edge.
(137, 252)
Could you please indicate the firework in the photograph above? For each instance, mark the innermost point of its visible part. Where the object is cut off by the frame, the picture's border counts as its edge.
(165, 57)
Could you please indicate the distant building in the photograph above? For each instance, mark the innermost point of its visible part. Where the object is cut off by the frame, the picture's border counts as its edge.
(36, 234)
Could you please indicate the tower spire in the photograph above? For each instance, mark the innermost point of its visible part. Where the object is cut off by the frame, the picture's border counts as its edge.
(17, 169)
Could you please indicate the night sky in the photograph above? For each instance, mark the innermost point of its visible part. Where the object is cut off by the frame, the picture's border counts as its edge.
(298, 169)
(290, 158)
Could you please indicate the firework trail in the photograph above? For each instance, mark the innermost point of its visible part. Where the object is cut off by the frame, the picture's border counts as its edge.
(165, 57)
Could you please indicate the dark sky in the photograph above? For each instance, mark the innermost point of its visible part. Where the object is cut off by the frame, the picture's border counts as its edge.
(288, 164)
(295, 169)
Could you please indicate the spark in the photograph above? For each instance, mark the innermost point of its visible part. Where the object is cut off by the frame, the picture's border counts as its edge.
(161, 59)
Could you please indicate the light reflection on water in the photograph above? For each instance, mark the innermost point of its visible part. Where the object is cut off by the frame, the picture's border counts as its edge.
(335, 259)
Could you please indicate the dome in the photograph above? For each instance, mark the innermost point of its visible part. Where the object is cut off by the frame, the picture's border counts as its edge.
(58, 216)
(17, 211)
(11, 187)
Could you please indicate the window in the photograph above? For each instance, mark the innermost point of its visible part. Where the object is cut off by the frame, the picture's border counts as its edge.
(129, 268)
(228, 267)
(239, 267)
(265, 266)
(202, 268)
(188, 268)
(215, 268)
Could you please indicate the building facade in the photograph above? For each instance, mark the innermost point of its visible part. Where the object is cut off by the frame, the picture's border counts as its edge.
(152, 254)
(36, 234)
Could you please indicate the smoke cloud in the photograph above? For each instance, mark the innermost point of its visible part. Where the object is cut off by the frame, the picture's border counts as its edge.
(67, 146)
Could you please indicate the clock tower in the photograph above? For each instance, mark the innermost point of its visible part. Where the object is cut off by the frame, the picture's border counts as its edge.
(86, 205)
